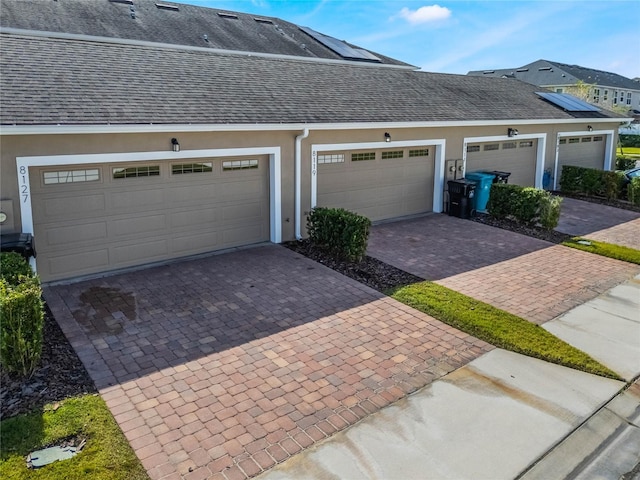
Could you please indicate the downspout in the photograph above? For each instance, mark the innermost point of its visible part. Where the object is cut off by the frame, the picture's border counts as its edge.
(298, 181)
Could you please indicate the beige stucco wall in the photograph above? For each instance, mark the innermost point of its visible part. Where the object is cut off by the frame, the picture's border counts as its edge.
(13, 146)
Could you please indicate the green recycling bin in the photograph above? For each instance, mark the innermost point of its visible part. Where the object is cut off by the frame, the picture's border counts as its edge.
(483, 181)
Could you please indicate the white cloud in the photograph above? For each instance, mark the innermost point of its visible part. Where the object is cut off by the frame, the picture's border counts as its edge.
(426, 14)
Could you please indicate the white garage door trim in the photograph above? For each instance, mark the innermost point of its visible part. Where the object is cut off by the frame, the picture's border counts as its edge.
(24, 163)
(608, 149)
(542, 140)
(438, 174)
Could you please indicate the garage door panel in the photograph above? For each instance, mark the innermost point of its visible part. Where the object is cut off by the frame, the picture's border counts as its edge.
(577, 152)
(69, 206)
(139, 252)
(126, 200)
(147, 224)
(198, 242)
(519, 161)
(64, 235)
(76, 263)
(92, 227)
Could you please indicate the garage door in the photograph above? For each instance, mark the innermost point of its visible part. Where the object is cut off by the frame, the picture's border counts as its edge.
(515, 156)
(378, 184)
(95, 218)
(587, 151)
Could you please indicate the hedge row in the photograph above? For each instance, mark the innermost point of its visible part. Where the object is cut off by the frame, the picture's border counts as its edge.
(342, 233)
(633, 191)
(526, 205)
(591, 181)
(22, 313)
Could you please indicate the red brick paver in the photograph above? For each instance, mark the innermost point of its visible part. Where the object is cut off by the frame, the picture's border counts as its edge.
(224, 366)
(525, 276)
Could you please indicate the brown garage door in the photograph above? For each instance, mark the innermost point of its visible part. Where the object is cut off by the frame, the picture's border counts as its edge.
(515, 156)
(379, 184)
(95, 218)
(586, 151)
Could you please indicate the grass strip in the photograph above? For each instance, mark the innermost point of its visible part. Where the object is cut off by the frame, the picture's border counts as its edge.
(496, 326)
(605, 249)
(106, 456)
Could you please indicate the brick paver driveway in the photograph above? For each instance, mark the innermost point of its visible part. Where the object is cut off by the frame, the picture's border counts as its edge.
(223, 366)
(522, 275)
(600, 222)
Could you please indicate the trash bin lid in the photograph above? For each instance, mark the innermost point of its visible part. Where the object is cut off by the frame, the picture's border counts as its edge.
(479, 176)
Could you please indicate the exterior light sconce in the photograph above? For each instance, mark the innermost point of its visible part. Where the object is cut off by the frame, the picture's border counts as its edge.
(590, 128)
(387, 137)
(512, 132)
(175, 145)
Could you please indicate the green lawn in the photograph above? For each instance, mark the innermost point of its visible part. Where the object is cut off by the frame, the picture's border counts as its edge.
(628, 151)
(106, 456)
(496, 326)
(610, 250)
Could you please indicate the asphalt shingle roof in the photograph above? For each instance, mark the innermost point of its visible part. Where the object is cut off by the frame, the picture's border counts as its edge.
(547, 73)
(47, 81)
(186, 26)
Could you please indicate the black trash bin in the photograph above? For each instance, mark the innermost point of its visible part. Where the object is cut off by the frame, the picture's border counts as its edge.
(21, 243)
(500, 177)
(461, 193)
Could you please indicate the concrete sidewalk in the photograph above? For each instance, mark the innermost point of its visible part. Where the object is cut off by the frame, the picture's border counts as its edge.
(505, 415)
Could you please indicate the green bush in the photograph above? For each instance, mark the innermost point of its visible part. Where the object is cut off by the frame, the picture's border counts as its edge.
(633, 191)
(629, 140)
(612, 184)
(22, 325)
(343, 233)
(550, 211)
(524, 204)
(571, 179)
(624, 163)
(592, 181)
(13, 266)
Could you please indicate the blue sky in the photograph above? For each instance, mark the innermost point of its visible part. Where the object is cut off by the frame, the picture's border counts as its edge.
(458, 36)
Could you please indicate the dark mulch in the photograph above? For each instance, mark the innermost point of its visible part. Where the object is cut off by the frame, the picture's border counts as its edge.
(60, 375)
(623, 204)
(531, 231)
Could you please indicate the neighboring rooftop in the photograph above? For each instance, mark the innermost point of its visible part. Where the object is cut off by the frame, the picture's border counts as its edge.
(166, 22)
(53, 81)
(545, 73)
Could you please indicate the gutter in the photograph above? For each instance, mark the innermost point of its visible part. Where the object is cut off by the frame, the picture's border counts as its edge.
(297, 181)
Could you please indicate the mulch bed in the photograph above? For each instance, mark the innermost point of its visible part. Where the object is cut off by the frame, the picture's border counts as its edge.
(62, 375)
(623, 204)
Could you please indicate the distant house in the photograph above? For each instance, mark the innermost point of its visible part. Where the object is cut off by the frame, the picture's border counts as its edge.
(605, 89)
(136, 132)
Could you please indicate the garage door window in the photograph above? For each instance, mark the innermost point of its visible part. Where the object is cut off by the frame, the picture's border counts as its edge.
(239, 165)
(509, 145)
(526, 144)
(574, 140)
(331, 158)
(136, 172)
(586, 139)
(71, 176)
(563, 141)
(473, 148)
(597, 139)
(181, 168)
(392, 154)
(361, 157)
(423, 152)
(491, 146)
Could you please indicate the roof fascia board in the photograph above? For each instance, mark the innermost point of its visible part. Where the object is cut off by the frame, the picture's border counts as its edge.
(142, 43)
(178, 128)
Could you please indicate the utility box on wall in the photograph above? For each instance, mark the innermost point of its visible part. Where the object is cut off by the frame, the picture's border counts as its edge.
(7, 220)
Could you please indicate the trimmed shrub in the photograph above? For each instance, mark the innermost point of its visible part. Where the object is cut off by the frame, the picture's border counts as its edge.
(22, 325)
(524, 204)
(633, 191)
(343, 233)
(550, 211)
(13, 266)
(612, 183)
(624, 163)
(571, 179)
(629, 140)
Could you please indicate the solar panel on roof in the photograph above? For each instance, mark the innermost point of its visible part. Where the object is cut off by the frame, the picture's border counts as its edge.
(568, 102)
(341, 48)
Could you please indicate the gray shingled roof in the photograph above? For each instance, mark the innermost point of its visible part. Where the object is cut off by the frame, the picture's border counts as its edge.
(546, 73)
(48, 81)
(186, 26)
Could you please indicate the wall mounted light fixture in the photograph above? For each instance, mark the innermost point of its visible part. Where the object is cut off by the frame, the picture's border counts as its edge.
(512, 132)
(175, 145)
(387, 137)
(590, 128)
